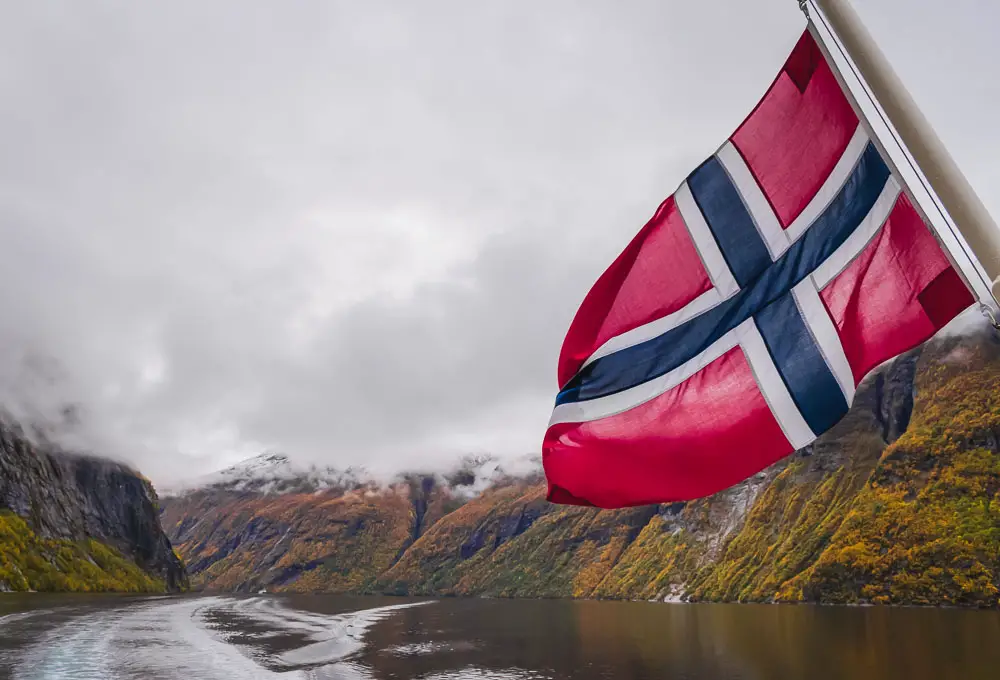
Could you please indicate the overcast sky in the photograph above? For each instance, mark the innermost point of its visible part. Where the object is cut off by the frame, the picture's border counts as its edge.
(356, 232)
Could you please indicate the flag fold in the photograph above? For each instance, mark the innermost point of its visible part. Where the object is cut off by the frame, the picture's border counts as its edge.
(736, 326)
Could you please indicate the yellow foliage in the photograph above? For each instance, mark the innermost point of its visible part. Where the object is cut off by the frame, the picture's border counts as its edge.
(30, 562)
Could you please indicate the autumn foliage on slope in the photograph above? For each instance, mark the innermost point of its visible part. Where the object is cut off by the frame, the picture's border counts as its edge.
(926, 528)
(31, 562)
(899, 503)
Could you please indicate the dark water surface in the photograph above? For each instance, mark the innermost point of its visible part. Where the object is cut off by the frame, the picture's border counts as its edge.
(209, 638)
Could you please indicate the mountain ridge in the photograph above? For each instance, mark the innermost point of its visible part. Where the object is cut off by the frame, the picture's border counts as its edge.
(272, 473)
(899, 503)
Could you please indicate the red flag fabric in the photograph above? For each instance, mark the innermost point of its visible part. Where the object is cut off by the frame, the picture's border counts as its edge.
(736, 326)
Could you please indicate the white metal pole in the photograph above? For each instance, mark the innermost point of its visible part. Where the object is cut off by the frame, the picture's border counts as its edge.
(946, 179)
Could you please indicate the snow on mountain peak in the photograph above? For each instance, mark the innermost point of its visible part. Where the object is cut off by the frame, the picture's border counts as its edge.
(273, 473)
(277, 473)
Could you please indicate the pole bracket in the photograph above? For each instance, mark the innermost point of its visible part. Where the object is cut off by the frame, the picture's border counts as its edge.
(990, 315)
(804, 6)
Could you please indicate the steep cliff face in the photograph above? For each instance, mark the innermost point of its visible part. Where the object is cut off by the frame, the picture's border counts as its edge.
(78, 523)
(339, 540)
(510, 542)
(899, 503)
(926, 527)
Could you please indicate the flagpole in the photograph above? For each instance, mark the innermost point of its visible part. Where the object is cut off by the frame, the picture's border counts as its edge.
(967, 211)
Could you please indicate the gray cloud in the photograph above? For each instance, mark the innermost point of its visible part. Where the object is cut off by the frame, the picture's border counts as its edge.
(357, 232)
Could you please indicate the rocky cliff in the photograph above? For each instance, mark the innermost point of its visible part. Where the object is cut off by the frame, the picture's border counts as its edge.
(71, 522)
(899, 503)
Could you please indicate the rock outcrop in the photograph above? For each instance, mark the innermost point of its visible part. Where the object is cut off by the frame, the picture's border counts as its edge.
(72, 506)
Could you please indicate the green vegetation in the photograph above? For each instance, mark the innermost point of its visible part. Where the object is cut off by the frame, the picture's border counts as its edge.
(926, 529)
(510, 542)
(30, 562)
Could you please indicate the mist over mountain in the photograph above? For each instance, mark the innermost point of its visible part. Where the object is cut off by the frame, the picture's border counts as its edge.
(899, 503)
(279, 473)
(70, 522)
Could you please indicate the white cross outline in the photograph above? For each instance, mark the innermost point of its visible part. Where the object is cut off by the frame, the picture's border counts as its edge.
(747, 336)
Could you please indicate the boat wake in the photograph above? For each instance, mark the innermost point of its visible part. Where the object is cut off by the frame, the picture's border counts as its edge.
(204, 638)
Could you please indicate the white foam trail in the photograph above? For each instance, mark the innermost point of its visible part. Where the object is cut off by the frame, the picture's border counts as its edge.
(425, 648)
(271, 612)
(343, 637)
(81, 652)
(8, 619)
(169, 639)
(159, 640)
(418, 649)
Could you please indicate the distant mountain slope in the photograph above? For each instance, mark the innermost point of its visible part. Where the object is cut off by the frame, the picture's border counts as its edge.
(900, 503)
(78, 523)
(269, 523)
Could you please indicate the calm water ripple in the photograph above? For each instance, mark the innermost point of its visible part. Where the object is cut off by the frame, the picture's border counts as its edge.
(327, 637)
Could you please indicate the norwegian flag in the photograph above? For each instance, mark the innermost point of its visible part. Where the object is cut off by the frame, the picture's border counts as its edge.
(736, 326)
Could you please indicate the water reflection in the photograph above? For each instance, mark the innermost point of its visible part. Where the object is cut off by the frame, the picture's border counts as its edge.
(589, 640)
(330, 637)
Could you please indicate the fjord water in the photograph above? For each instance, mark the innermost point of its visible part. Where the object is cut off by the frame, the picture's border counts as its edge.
(204, 638)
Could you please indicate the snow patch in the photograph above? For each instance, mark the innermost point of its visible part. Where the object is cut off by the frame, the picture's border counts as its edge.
(277, 473)
(273, 473)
